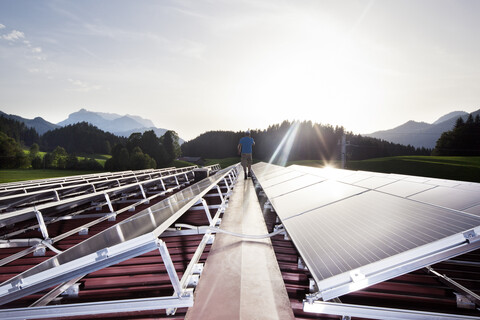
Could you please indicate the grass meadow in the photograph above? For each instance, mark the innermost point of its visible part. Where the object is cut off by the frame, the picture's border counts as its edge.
(454, 168)
(224, 163)
(12, 175)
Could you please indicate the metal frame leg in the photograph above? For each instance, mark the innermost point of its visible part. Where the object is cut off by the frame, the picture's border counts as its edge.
(172, 273)
(42, 225)
(207, 211)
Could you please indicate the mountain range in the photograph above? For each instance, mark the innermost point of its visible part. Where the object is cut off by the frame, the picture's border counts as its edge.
(110, 122)
(114, 123)
(421, 134)
(417, 134)
(38, 123)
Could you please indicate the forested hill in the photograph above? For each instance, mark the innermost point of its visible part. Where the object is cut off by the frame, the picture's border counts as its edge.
(80, 138)
(462, 140)
(18, 131)
(301, 141)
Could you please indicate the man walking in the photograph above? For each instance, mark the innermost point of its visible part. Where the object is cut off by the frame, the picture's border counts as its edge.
(245, 149)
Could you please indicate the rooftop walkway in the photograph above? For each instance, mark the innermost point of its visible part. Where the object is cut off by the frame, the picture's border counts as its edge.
(241, 278)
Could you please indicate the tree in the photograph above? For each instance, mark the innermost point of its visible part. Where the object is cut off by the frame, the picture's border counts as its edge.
(306, 141)
(56, 159)
(139, 160)
(11, 154)
(462, 140)
(18, 131)
(37, 163)
(48, 161)
(71, 162)
(34, 150)
(459, 123)
(80, 138)
(89, 164)
(171, 145)
(120, 159)
(151, 145)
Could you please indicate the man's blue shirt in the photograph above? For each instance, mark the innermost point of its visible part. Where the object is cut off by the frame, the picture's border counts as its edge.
(247, 143)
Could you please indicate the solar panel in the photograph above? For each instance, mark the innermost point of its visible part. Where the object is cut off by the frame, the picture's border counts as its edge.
(474, 210)
(47, 195)
(331, 173)
(281, 178)
(355, 178)
(127, 239)
(272, 172)
(449, 197)
(417, 179)
(469, 186)
(374, 182)
(359, 228)
(405, 188)
(293, 185)
(443, 182)
(312, 197)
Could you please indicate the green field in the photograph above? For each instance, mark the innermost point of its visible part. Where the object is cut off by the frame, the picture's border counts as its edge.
(454, 168)
(311, 163)
(224, 163)
(12, 175)
(100, 158)
(181, 164)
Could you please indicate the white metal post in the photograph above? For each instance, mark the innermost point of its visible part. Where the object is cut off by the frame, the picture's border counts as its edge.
(172, 273)
(109, 203)
(207, 211)
(41, 224)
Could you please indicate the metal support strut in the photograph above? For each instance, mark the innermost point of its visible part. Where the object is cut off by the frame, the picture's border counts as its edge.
(167, 260)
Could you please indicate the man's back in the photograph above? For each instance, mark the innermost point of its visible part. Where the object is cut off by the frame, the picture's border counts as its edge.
(247, 143)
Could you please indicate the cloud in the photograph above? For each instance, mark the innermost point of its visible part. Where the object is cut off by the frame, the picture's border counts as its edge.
(33, 49)
(34, 70)
(83, 86)
(190, 49)
(14, 35)
(23, 52)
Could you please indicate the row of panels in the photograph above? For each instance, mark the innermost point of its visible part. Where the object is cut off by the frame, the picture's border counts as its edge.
(134, 235)
(26, 186)
(21, 207)
(354, 229)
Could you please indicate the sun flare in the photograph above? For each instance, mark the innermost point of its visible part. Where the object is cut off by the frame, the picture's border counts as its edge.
(319, 81)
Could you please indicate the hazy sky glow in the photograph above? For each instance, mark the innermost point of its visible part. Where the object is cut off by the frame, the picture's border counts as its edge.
(194, 66)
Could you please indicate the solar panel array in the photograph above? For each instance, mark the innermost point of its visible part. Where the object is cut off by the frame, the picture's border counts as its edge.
(147, 203)
(52, 196)
(355, 228)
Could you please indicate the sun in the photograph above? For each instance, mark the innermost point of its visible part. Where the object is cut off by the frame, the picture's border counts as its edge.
(322, 81)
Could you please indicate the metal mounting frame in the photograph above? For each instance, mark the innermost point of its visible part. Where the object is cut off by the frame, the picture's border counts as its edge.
(375, 271)
(381, 313)
(96, 308)
(61, 271)
(28, 283)
(388, 268)
(29, 212)
(192, 267)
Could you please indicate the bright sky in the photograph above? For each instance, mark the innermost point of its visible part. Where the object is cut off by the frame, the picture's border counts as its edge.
(198, 65)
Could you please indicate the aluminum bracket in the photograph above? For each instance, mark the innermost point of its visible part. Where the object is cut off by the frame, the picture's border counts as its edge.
(381, 313)
(471, 236)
